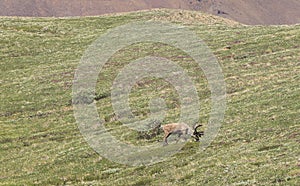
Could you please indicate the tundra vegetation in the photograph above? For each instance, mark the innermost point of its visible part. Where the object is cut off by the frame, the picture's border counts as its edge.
(40, 143)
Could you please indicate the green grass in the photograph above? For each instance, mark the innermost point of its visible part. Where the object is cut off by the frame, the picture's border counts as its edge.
(40, 142)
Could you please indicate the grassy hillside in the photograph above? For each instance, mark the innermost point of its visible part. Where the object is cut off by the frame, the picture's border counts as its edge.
(40, 143)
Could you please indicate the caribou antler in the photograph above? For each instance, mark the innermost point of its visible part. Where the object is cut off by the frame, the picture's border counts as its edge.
(197, 134)
(197, 126)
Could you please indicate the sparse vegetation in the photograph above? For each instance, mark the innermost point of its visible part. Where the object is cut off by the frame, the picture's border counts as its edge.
(40, 143)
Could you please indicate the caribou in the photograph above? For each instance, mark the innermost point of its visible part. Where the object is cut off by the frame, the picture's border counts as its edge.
(181, 129)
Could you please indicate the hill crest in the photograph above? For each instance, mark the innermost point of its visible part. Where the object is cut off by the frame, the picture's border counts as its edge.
(253, 12)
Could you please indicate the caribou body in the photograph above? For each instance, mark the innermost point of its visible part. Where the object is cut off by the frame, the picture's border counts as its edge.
(181, 129)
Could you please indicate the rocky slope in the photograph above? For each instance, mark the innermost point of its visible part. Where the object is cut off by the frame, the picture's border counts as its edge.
(264, 12)
(59, 8)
